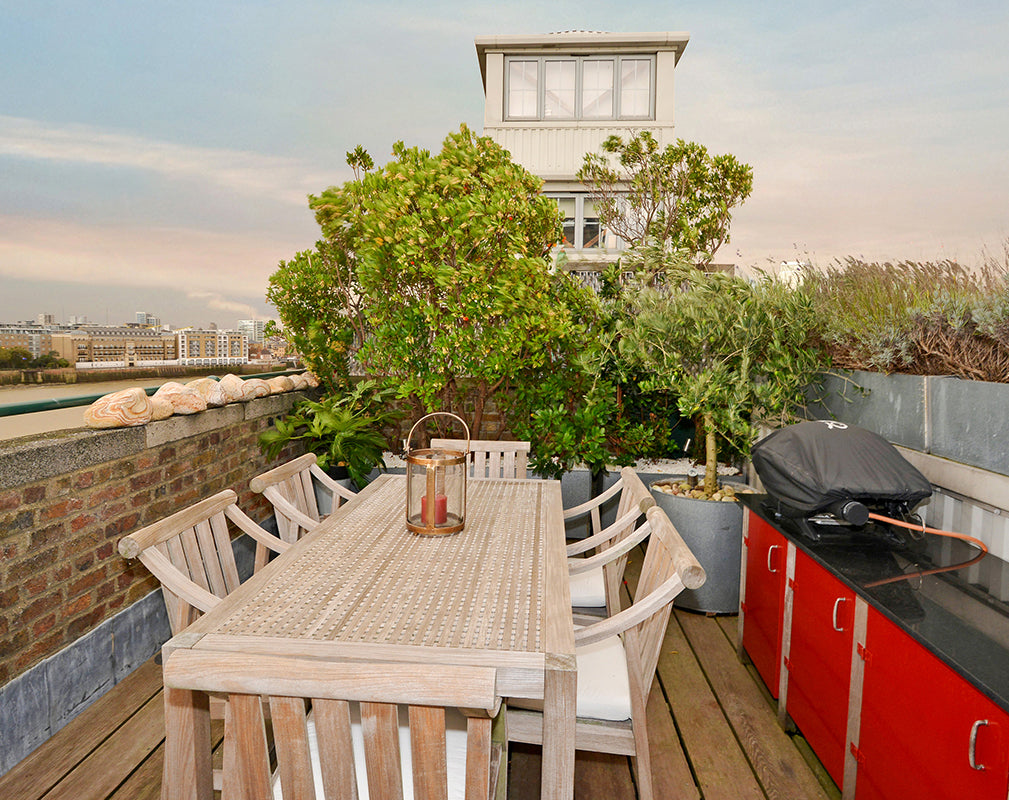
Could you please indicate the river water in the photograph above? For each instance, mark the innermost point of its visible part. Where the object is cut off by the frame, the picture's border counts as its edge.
(45, 421)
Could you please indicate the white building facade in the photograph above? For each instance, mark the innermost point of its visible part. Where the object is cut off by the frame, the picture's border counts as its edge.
(552, 98)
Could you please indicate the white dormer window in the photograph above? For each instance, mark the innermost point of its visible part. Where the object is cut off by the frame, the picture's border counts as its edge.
(580, 87)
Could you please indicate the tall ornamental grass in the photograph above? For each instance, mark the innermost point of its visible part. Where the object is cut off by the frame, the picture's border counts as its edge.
(925, 318)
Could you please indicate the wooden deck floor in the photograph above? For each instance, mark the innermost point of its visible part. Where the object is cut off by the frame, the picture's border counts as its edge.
(714, 735)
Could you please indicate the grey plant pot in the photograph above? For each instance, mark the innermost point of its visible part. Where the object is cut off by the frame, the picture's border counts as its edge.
(713, 531)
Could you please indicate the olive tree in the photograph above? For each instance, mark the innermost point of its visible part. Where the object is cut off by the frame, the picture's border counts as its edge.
(733, 353)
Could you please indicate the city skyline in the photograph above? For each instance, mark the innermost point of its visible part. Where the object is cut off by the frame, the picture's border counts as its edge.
(160, 157)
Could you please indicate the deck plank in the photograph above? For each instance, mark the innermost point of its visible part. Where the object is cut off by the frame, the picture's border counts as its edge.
(779, 766)
(671, 776)
(720, 767)
(103, 771)
(42, 769)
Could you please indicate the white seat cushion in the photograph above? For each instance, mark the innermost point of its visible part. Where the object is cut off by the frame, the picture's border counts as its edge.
(588, 589)
(604, 690)
(455, 755)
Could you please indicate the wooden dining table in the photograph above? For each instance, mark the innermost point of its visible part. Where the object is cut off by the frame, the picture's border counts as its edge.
(361, 587)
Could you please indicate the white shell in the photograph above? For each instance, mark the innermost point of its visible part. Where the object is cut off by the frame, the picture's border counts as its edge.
(183, 399)
(233, 387)
(280, 384)
(257, 387)
(125, 408)
(161, 408)
(210, 390)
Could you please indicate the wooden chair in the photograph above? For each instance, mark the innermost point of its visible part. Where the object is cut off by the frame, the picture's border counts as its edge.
(617, 657)
(449, 756)
(491, 459)
(290, 488)
(190, 553)
(596, 580)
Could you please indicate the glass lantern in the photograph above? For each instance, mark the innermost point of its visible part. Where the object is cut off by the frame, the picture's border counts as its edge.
(436, 486)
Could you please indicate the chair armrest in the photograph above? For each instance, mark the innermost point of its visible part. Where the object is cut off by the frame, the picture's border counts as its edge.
(171, 578)
(605, 535)
(577, 565)
(595, 502)
(629, 617)
(331, 485)
(246, 524)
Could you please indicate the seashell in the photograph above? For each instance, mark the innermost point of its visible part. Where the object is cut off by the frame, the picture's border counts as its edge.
(183, 399)
(125, 408)
(234, 388)
(210, 390)
(280, 384)
(256, 387)
(161, 408)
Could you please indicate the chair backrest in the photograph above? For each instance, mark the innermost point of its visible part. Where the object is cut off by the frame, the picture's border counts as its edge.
(190, 553)
(491, 459)
(669, 568)
(316, 750)
(290, 488)
(634, 500)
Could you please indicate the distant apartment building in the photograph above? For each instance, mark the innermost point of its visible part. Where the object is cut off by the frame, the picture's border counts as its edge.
(254, 329)
(552, 98)
(27, 336)
(115, 346)
(212, 347)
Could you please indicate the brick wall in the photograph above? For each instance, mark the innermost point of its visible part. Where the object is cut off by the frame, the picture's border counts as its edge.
(67, 498)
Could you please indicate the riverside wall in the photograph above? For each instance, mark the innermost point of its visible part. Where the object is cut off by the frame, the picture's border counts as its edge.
(75, 616)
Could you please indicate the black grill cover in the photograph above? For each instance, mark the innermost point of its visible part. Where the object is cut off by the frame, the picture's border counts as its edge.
(811, 466)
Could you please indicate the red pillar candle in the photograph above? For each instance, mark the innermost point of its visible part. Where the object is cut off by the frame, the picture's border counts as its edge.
(440, 509)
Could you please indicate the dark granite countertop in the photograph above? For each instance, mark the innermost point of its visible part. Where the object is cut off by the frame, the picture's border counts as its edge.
(958, 612)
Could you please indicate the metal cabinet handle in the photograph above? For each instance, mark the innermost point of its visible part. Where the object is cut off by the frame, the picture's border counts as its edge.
(978, 724)
(770, 550)
(837, 603)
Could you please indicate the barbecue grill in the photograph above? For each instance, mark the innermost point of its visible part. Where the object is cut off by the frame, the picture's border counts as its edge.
(828, 476)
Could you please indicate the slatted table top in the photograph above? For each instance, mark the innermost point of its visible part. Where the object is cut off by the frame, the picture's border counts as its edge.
(362, 580)
(365, 578)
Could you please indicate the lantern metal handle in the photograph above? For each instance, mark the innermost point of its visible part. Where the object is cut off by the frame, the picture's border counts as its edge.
(409, 438)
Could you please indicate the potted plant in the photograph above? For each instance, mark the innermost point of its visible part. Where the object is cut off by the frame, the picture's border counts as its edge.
(735, 354)
(343, 430)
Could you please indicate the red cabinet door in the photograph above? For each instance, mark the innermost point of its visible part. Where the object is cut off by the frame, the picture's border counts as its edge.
(923, 725)
(765, 598)
(819, 661)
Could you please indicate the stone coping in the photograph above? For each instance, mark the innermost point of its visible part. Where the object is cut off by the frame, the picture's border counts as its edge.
(33, 458)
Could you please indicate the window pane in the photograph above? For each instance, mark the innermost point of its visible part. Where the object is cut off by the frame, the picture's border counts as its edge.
(592, 231)
(523, 77)
(559, 90)
(635, 87)
(567, 207)
(597, 89)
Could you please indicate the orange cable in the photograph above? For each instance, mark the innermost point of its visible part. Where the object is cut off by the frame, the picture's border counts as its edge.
(925, 529)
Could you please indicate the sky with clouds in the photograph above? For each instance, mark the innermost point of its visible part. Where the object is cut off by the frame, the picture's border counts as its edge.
(157, 156)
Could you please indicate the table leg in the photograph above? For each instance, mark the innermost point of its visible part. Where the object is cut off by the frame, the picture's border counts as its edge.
(188, 772)
(558, 779)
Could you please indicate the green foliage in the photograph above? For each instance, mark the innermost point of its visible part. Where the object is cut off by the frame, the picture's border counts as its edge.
(21, 358)
(341, 429)
(732, 353)
(451, 257)
(678, 197)
(318, 300)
